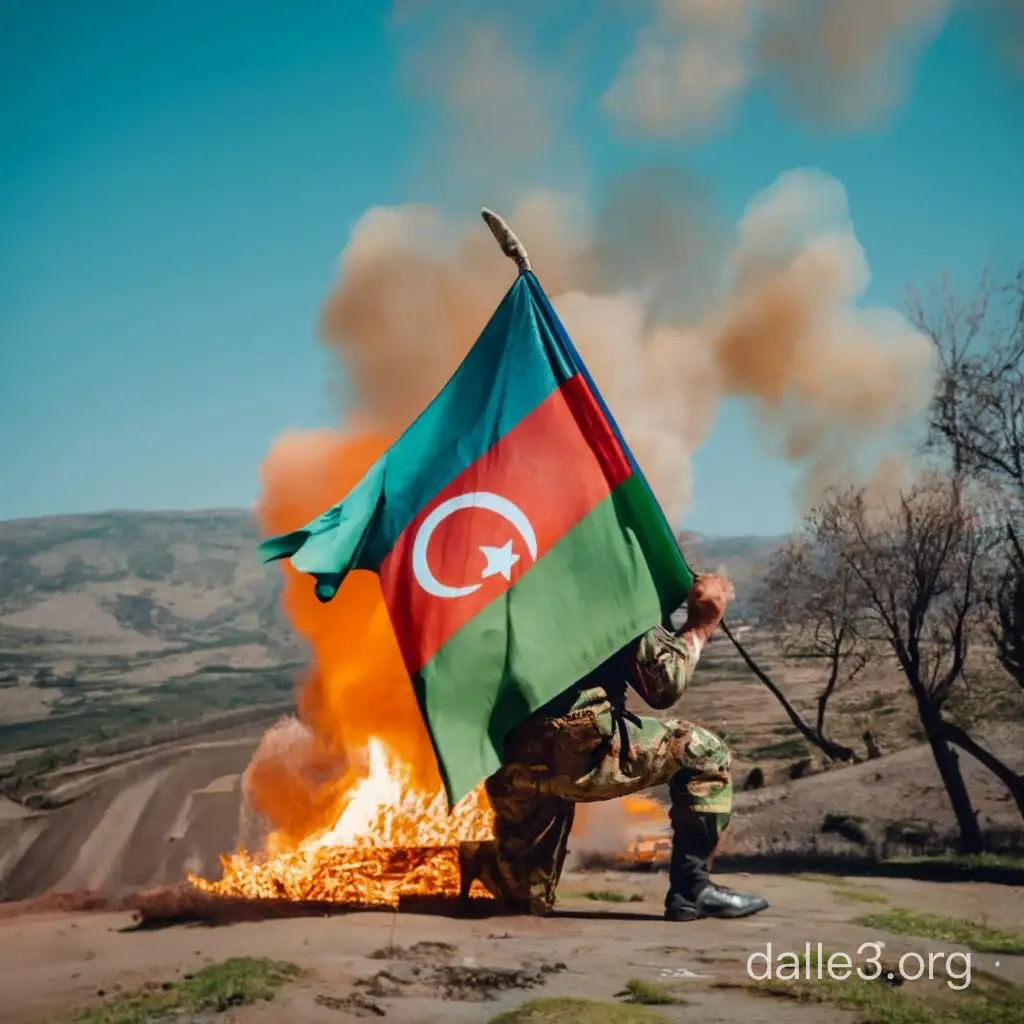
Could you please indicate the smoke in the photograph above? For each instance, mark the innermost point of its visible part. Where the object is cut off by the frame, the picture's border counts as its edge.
(502, 112)
(1004, 20)
(778, 321)
(686, 68)
(612, 827)
(825, 375)
(838, 63)
(294, 782)
(847, 65)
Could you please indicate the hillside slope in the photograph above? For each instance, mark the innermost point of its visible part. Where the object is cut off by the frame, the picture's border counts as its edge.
(118, 620)
(121, 620)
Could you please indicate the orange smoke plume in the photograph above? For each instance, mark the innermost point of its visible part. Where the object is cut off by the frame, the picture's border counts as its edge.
(357, 687)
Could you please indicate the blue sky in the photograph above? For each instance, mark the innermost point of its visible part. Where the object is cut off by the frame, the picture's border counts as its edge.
(179, 177)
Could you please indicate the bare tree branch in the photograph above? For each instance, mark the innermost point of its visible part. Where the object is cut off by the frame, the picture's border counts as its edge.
(1013, 781)
(834, 750)
(938, 572)
(977, 420)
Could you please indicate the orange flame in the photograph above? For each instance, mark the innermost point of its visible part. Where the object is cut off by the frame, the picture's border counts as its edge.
(351, 790)
(649, 844)
(638, 806)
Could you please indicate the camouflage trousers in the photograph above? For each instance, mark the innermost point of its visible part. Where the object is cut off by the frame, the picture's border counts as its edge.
(553, 764)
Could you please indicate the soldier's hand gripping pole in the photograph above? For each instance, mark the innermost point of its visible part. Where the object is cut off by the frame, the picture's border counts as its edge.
(506, 238)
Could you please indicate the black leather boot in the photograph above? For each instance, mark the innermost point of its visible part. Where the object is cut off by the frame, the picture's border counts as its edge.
(692, 894)
(712, 901)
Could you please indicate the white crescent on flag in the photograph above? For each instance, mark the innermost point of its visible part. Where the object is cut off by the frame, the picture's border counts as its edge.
(499, 560)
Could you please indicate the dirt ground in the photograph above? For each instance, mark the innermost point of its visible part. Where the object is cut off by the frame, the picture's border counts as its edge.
(56, 962)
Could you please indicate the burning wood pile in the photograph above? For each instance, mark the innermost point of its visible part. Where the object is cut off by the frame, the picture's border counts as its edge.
(366, 834)
(653, 851)
(391, 841)
(631, 834)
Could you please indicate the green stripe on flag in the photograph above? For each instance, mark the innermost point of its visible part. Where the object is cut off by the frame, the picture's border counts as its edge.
(599, 587)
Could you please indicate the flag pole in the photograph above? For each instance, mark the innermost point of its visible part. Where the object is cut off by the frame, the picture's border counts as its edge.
(506, 238)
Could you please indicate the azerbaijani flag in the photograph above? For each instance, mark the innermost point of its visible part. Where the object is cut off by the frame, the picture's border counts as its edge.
(517, 542)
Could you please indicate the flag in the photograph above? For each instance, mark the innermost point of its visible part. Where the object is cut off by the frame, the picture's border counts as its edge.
(517, 542)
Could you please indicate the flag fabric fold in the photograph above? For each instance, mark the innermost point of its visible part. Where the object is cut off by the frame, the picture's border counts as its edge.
(517, 542)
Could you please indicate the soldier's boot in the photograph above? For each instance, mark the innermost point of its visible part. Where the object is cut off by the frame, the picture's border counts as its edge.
(478, 862)
(691, 894)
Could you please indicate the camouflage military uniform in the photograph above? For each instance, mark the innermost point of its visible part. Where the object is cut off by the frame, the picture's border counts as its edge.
(586, 746)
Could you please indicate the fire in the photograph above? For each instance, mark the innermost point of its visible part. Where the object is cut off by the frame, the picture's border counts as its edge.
(644, 816)
(643, 807)
(391, 839)
(350, 790)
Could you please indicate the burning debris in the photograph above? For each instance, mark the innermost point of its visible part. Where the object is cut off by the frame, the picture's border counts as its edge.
(393, 840)
(390, 841)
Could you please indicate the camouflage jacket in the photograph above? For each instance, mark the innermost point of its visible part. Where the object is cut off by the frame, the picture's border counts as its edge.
(657, 665)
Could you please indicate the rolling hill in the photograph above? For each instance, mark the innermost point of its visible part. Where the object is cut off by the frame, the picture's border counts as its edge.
(126, 621)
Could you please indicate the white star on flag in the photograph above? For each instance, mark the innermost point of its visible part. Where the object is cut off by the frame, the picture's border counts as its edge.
(499, 560)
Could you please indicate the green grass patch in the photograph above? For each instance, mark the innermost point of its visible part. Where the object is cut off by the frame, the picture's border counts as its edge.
(579, 1011)
(784, 750)
(217, 988)
(859, 895)
(647, 993)
(611, 896)
(973, 934)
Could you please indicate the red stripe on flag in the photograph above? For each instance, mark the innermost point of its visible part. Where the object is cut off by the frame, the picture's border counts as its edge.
(498, 518)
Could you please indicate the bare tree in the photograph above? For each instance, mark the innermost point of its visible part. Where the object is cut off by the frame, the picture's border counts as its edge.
(812, 599)
(808, 602)
(813, 734)
(925, 566)
(1008, 634)
(940, 572)
(977, 422)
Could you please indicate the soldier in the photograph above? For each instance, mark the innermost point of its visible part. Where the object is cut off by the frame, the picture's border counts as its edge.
(586, 746)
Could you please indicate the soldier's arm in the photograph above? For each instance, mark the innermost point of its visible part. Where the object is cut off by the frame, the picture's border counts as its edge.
(664, 664)
(664, 661)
